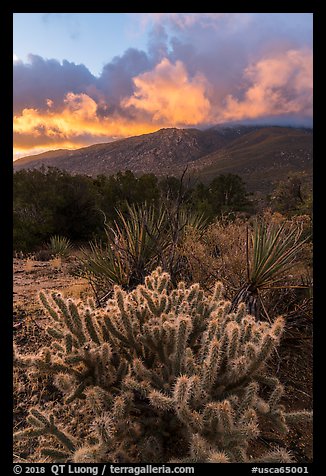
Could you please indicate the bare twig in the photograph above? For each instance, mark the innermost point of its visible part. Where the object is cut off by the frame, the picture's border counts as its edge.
(247, 254)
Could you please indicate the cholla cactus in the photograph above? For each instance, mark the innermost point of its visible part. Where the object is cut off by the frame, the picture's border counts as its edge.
(159, 364)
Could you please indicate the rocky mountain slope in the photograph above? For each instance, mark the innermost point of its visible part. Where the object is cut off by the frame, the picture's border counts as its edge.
(259, 154)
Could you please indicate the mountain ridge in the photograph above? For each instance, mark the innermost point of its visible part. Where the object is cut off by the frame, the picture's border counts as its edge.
(248, 151)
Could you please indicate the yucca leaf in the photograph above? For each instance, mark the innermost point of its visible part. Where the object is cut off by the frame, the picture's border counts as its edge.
(274, 249)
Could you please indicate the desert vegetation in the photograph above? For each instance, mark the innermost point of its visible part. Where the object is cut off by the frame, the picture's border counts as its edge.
(51, 202)
(182, 342)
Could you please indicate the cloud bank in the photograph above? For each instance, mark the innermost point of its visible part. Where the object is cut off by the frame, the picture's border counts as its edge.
(198, 70)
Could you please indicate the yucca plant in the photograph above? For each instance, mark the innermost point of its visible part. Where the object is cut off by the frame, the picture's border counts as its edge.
(103, 266)
(135, 244)
(193, 219)
(273, 251)
(59, 246)
(141, 237)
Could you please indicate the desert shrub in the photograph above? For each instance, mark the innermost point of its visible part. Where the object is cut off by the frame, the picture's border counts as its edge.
(293, 196)
(170, 374)
(44, 254)
(250, 257)
(52, 202)
(139, 240)
(60, 246)
(218, 253)
(294, 301)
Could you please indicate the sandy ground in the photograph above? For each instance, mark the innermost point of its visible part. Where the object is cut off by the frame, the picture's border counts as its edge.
(31, 276)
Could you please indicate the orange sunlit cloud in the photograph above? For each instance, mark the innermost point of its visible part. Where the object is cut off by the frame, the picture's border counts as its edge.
(169, 95)
(159, 101)
(279, 85)
(77, 124)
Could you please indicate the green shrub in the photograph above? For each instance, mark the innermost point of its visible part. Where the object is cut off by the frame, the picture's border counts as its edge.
(51, 202)
(60, 246)
(168, 373)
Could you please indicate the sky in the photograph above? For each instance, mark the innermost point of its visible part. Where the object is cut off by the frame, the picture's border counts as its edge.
(86, 78)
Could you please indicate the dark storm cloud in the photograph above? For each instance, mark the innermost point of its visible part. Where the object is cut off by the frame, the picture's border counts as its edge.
(115, 82)
(41, 79)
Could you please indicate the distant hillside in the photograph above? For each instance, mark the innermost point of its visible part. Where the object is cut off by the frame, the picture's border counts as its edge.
(261, 155)
(155, 152)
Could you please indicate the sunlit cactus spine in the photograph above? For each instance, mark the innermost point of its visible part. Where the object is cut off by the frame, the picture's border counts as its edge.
(156, 366)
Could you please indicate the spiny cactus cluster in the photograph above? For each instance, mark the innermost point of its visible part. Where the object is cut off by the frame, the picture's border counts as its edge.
(169, 374)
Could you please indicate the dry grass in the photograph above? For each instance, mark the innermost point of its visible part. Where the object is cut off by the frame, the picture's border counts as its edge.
(78, 291)
(29, 265)
(56, 263)
(219, 254)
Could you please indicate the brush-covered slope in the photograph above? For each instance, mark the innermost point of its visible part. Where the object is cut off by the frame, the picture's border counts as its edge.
(261, 155)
